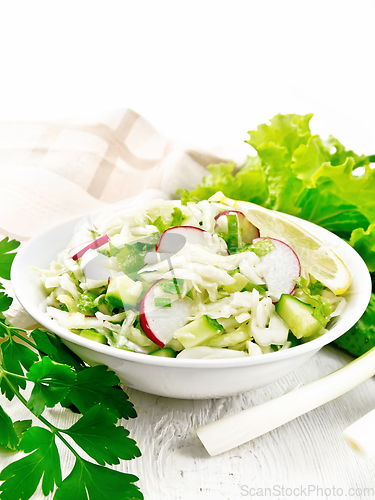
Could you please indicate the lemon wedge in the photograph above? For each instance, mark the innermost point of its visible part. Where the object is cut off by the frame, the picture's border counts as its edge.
(316, 257)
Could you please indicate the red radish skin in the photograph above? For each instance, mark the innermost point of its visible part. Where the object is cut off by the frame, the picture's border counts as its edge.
(77, 254)
(250, 232)
(227, 212)
(146, 328)
(284, 269)
(75, 250)
(160, 328)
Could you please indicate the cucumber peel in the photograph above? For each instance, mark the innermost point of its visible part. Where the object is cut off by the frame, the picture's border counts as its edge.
(198, 331)
(166, 352)
(298, 316)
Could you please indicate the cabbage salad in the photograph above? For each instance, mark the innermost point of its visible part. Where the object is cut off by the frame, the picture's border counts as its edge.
(194, 279)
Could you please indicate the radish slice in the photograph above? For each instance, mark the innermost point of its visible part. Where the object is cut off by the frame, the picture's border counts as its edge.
(78, 248)
(249, 231)
(283, 268)
(77, 252)
(174, 239)
(160, 323)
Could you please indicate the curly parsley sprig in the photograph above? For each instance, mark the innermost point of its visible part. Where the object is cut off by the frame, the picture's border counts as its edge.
(58, 376)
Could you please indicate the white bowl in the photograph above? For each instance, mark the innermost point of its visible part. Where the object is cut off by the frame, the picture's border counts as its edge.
(184, 378)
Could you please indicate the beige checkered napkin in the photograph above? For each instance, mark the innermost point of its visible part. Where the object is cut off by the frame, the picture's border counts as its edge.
(53, 171)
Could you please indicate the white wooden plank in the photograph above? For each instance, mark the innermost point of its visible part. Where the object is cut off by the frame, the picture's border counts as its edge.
(307, 452)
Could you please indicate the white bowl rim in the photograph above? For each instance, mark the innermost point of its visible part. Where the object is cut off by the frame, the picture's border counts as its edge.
(17, 279)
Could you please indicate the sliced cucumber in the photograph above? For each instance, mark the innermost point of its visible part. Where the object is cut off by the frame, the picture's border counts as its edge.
(238, 285)
(166, 352)
(198, 331)
(298, 317)
(123, 291)
(230, 339)
(93, 335)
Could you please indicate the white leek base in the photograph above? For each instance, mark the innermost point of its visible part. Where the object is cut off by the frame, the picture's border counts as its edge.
(234, 430)
(360, 436)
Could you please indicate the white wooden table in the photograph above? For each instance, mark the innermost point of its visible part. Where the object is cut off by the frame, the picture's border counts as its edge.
(306, 458)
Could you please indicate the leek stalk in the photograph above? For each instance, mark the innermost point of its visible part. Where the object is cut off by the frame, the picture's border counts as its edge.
(234, 430)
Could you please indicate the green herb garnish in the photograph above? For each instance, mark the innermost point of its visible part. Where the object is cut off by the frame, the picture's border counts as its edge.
(86, 303)
(173, 286)
(312, 291)
(260, 248)
(163, 302)
(94, 233)
(7, 256)
(131, 257)
(250, 287)
(215, 324)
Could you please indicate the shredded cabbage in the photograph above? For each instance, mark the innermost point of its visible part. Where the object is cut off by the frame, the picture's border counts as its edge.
(227, 289)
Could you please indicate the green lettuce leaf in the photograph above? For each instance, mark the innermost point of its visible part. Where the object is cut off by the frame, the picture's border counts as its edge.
(364, 242)
(301, 174)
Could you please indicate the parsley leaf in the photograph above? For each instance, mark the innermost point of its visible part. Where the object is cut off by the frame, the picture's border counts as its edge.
(52, 384)
(5, 302)
(97, 385)
(6, 258)
(61, 377)
(22, 477)
(8, 435)
(97, 434)
(48, 344)
(90, 481)
(14, 357)
(21, 426)
(11, 432)
(3, 328)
